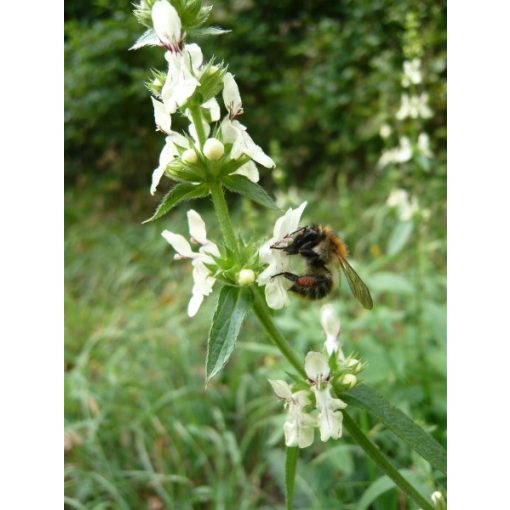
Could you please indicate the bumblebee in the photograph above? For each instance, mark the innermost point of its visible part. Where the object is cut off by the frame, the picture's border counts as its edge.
(320, 248)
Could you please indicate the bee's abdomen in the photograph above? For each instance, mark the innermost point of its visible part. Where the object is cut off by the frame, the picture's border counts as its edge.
(312, 287)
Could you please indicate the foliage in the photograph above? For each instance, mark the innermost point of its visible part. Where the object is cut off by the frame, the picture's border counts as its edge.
(139, 425)
(328, 72)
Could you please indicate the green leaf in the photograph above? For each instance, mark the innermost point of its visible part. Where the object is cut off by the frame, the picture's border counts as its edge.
(233, 304)
(379, 487)
(399, 236)
(148, 38)
(364, 397)
(202, 32)
(179, 193)
(242, 185)
(290, 474)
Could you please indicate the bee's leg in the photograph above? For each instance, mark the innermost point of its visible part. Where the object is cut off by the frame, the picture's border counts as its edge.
(290, 276)
(309, 286)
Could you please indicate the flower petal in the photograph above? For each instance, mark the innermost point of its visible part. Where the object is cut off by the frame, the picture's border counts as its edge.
(214, 109)
(249, 170)
(231, 96)
(194, 304)
(194, 54)
(329, 417)
(197, 228)
(167, 23)
(316, 366)
(276, 294)
(330, 321)
(162, 118)
(281, 389)
(288, 223)
(179, 244)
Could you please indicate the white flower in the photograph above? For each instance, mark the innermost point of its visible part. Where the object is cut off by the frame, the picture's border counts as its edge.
(168, 153)
(180, 83)
(397, 197)
(385, 131)
(400, 154)
(167, 24)
(299, 425)
(414, 107)
(231, 97)
(331, 325)
(203, 280)
(235, 133)
(424, 145)
(329, 417)
(407, 207)
(277, 260)
(412, 72)
(407, 210)
(162, 117)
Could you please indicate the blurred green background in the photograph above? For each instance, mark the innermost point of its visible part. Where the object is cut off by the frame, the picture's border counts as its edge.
(318, 80)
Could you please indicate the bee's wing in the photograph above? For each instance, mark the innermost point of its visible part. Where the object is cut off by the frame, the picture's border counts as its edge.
(358, 288)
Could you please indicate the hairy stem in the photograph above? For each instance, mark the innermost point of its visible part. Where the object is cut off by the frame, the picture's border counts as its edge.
(383, 463)
(278, 339)
(196, 117)
(221, 209)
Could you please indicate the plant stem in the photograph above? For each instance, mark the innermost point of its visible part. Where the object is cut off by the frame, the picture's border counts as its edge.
(278, 339)
(221, 209)
(383, 463)
(196, 117)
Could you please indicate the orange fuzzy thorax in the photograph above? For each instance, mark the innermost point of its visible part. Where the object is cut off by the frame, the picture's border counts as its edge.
(339, 245)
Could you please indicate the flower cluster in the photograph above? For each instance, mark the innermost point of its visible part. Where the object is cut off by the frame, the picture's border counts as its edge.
(314, 406)
(190, 85)
(414, 105)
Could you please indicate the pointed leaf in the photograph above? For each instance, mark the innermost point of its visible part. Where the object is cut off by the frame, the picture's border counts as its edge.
(243, 186)
(148, 38)
(179, 193)
(290, 475)
(420, 441)
(233, 304)
(399, 236)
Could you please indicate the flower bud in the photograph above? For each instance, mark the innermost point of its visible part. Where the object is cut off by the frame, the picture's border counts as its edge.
(349, 380)
(246, 277)
(438, 500)
(354, 364)
(213, 149)
(212, 69)
(189, 156)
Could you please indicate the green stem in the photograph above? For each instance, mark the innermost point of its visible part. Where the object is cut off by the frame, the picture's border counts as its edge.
(278, 339)
(383, 463)
(196, 117)
(221, 209)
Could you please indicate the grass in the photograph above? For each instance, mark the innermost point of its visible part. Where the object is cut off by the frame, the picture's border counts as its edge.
(141, 429)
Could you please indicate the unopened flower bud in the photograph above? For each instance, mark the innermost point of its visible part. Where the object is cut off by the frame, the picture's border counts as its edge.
(354, 364)
(438, 500)
(213, 149)
(246, 277)
(349, 380)
(213, 69)
(189, 156)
